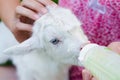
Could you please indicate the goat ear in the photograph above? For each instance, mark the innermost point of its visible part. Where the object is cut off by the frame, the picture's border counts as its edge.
(23, 48)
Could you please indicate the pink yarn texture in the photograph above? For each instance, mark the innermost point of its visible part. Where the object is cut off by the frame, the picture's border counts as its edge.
(101, 28)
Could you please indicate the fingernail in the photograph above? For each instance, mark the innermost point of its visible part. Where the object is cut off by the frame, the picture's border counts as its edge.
(44, 10)
(36, 16)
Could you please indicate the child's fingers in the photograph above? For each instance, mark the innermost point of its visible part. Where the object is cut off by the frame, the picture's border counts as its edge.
(33, 9)
(93, 78)
(26, 12)
(34, 5)
(48, 3)
(23, 27)
(86, 75)
(115, 46)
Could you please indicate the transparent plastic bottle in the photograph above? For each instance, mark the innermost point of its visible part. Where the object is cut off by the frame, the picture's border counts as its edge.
(102, 62)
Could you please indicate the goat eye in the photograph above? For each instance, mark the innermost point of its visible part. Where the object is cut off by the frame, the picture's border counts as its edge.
(55, 41)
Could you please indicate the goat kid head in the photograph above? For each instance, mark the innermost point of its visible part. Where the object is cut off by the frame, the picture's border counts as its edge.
(57, 34)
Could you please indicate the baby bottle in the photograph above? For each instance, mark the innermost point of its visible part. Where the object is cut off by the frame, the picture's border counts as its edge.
(102, 62)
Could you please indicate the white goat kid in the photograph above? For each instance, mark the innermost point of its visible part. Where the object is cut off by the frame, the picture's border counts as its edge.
(52, 49)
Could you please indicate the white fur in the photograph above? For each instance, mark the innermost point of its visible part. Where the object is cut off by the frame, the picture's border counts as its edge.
(39, 58)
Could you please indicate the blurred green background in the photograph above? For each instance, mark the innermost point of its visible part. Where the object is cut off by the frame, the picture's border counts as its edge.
(55, 1)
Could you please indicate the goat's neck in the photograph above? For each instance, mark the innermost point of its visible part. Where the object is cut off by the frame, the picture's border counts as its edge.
(50, 68)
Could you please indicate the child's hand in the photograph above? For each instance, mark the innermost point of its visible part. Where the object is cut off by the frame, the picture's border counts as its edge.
(33, 9)
(87, 75)
(26, 13)
(115, 46)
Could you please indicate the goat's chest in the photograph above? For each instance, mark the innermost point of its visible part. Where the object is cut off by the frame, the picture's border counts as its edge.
(42, 68)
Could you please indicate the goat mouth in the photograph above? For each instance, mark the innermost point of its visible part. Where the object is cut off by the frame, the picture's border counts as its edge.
(83, 46)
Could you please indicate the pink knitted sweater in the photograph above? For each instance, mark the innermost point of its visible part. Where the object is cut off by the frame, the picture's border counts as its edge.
(101, 23)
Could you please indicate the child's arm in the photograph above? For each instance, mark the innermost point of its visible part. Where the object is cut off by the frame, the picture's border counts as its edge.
(8, 73)
(7, 11)
(8, 16)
